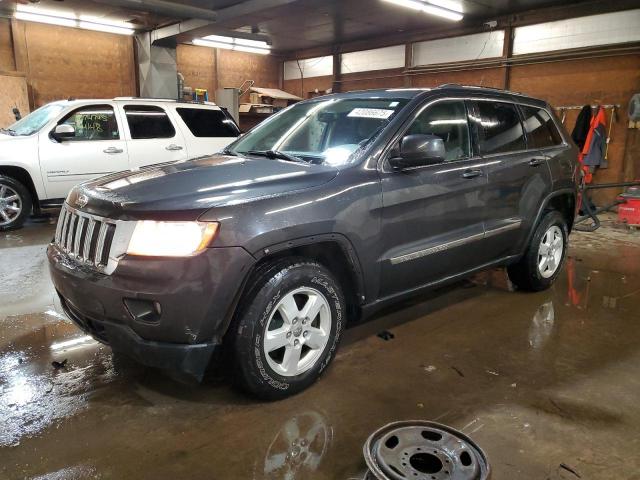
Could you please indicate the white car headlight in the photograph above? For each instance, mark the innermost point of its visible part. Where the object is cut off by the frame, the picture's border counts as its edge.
(171, 239)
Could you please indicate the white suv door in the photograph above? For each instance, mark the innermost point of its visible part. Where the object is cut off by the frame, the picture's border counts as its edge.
(151, 135)
(96, 148)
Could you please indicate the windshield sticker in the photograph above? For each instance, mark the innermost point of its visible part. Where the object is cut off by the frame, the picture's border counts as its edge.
(371, 113)
(394, 104)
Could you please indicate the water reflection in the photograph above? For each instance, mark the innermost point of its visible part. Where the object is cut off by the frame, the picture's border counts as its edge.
(542, 325)
(298, 447)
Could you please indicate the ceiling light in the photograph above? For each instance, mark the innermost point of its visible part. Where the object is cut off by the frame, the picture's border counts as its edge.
(32, 17)
(231, 43)
(69, 19)
(433, 7)
(210, 44)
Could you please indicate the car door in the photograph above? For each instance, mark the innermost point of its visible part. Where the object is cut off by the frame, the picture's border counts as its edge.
(151, 135)
(433, 216)
(206, 129)
(96, 148)
(519, 177)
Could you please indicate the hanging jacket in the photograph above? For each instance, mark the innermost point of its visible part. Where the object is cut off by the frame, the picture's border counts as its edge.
(581, 129)
(596, 142)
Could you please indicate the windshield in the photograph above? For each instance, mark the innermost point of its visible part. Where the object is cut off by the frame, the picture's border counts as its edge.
(331, 132)
(37, 119)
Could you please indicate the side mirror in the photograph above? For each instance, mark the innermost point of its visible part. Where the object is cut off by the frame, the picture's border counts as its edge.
(63, 131)
(418, 150)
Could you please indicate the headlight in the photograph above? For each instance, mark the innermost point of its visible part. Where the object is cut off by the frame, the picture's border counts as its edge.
(171, 239)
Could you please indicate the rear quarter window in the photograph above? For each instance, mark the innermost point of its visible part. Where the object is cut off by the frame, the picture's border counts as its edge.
(208, 123)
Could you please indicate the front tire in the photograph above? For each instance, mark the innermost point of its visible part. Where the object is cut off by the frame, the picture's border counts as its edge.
(15, 203)
(287, 333)
(542, 262)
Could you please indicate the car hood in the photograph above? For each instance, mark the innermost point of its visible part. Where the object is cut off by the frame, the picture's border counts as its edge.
(195, 186)
(11, 144)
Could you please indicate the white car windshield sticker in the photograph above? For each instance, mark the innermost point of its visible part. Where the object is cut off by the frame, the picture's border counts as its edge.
(371, 113)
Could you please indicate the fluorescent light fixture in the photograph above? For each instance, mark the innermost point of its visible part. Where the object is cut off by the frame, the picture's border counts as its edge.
(32, 17)
(232, 43)
(433, 7)
(69, 19)
(207, 43)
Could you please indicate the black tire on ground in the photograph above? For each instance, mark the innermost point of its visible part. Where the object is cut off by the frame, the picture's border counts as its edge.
(526, 274)
(8, 186)
(260, 309)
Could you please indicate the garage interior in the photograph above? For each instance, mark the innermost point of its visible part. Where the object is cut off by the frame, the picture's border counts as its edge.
(546, 383)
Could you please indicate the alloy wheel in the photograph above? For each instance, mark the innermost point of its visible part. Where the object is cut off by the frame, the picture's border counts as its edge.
(550, 251)
(10, 205)
(297, 331)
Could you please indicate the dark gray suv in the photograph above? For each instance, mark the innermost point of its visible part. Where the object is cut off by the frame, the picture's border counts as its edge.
(320, 215)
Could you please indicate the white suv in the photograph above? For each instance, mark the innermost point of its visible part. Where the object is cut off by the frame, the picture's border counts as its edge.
(45, 154)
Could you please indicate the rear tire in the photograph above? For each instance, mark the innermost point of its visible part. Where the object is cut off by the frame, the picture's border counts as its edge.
(542, 262)
(287, 329)
(15, 203)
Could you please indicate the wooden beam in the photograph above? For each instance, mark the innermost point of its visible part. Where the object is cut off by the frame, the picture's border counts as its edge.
(337, 73)
(20, 56)
(507, 52)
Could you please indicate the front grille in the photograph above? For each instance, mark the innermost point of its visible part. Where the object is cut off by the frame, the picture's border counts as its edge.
(85, 237)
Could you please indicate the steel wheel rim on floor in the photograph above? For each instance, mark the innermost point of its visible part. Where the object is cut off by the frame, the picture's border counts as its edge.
(423, 450)
(10, 205)
(550, 251)
(297, 331)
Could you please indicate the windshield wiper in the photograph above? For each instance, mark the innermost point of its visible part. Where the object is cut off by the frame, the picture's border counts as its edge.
(8, 131)
(276, 154)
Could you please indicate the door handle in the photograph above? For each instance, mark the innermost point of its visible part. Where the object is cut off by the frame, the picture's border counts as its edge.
(112, 150)
(534, 162)
(173, 147)
(471, 173)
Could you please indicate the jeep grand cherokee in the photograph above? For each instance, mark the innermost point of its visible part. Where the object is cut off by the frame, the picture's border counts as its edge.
(322, 214)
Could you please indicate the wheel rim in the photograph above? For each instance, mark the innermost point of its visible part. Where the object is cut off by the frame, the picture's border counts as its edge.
(550, 252)
(10, 205)
(297, 332)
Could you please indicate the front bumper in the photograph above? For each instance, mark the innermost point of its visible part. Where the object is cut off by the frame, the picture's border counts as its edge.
(195, 299)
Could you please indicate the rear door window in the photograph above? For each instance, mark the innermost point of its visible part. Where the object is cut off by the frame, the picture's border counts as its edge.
(91, 123)
(148, 121)
(541, 131)
(204, 122)
(500, 129)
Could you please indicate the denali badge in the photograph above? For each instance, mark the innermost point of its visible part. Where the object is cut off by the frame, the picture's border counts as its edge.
(82, 201)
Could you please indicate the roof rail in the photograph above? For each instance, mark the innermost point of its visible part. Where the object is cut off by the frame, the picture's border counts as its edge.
(153, 99)
(148, 99)
(480, 87)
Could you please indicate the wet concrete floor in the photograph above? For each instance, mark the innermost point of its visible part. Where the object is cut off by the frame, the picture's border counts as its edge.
(546, 383)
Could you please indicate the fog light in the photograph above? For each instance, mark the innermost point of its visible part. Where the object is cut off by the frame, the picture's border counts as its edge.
(147, 311)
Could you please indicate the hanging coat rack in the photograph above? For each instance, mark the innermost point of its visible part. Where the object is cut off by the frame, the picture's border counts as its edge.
(613, 106)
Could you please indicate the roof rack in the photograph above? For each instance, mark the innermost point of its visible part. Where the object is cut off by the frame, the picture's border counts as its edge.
(480, 87)
(154, 99)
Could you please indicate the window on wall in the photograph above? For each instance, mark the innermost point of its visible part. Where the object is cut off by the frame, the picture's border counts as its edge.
(499, 127)
(95, 122)
(148, 121)
(541, 131)
(447, 120)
